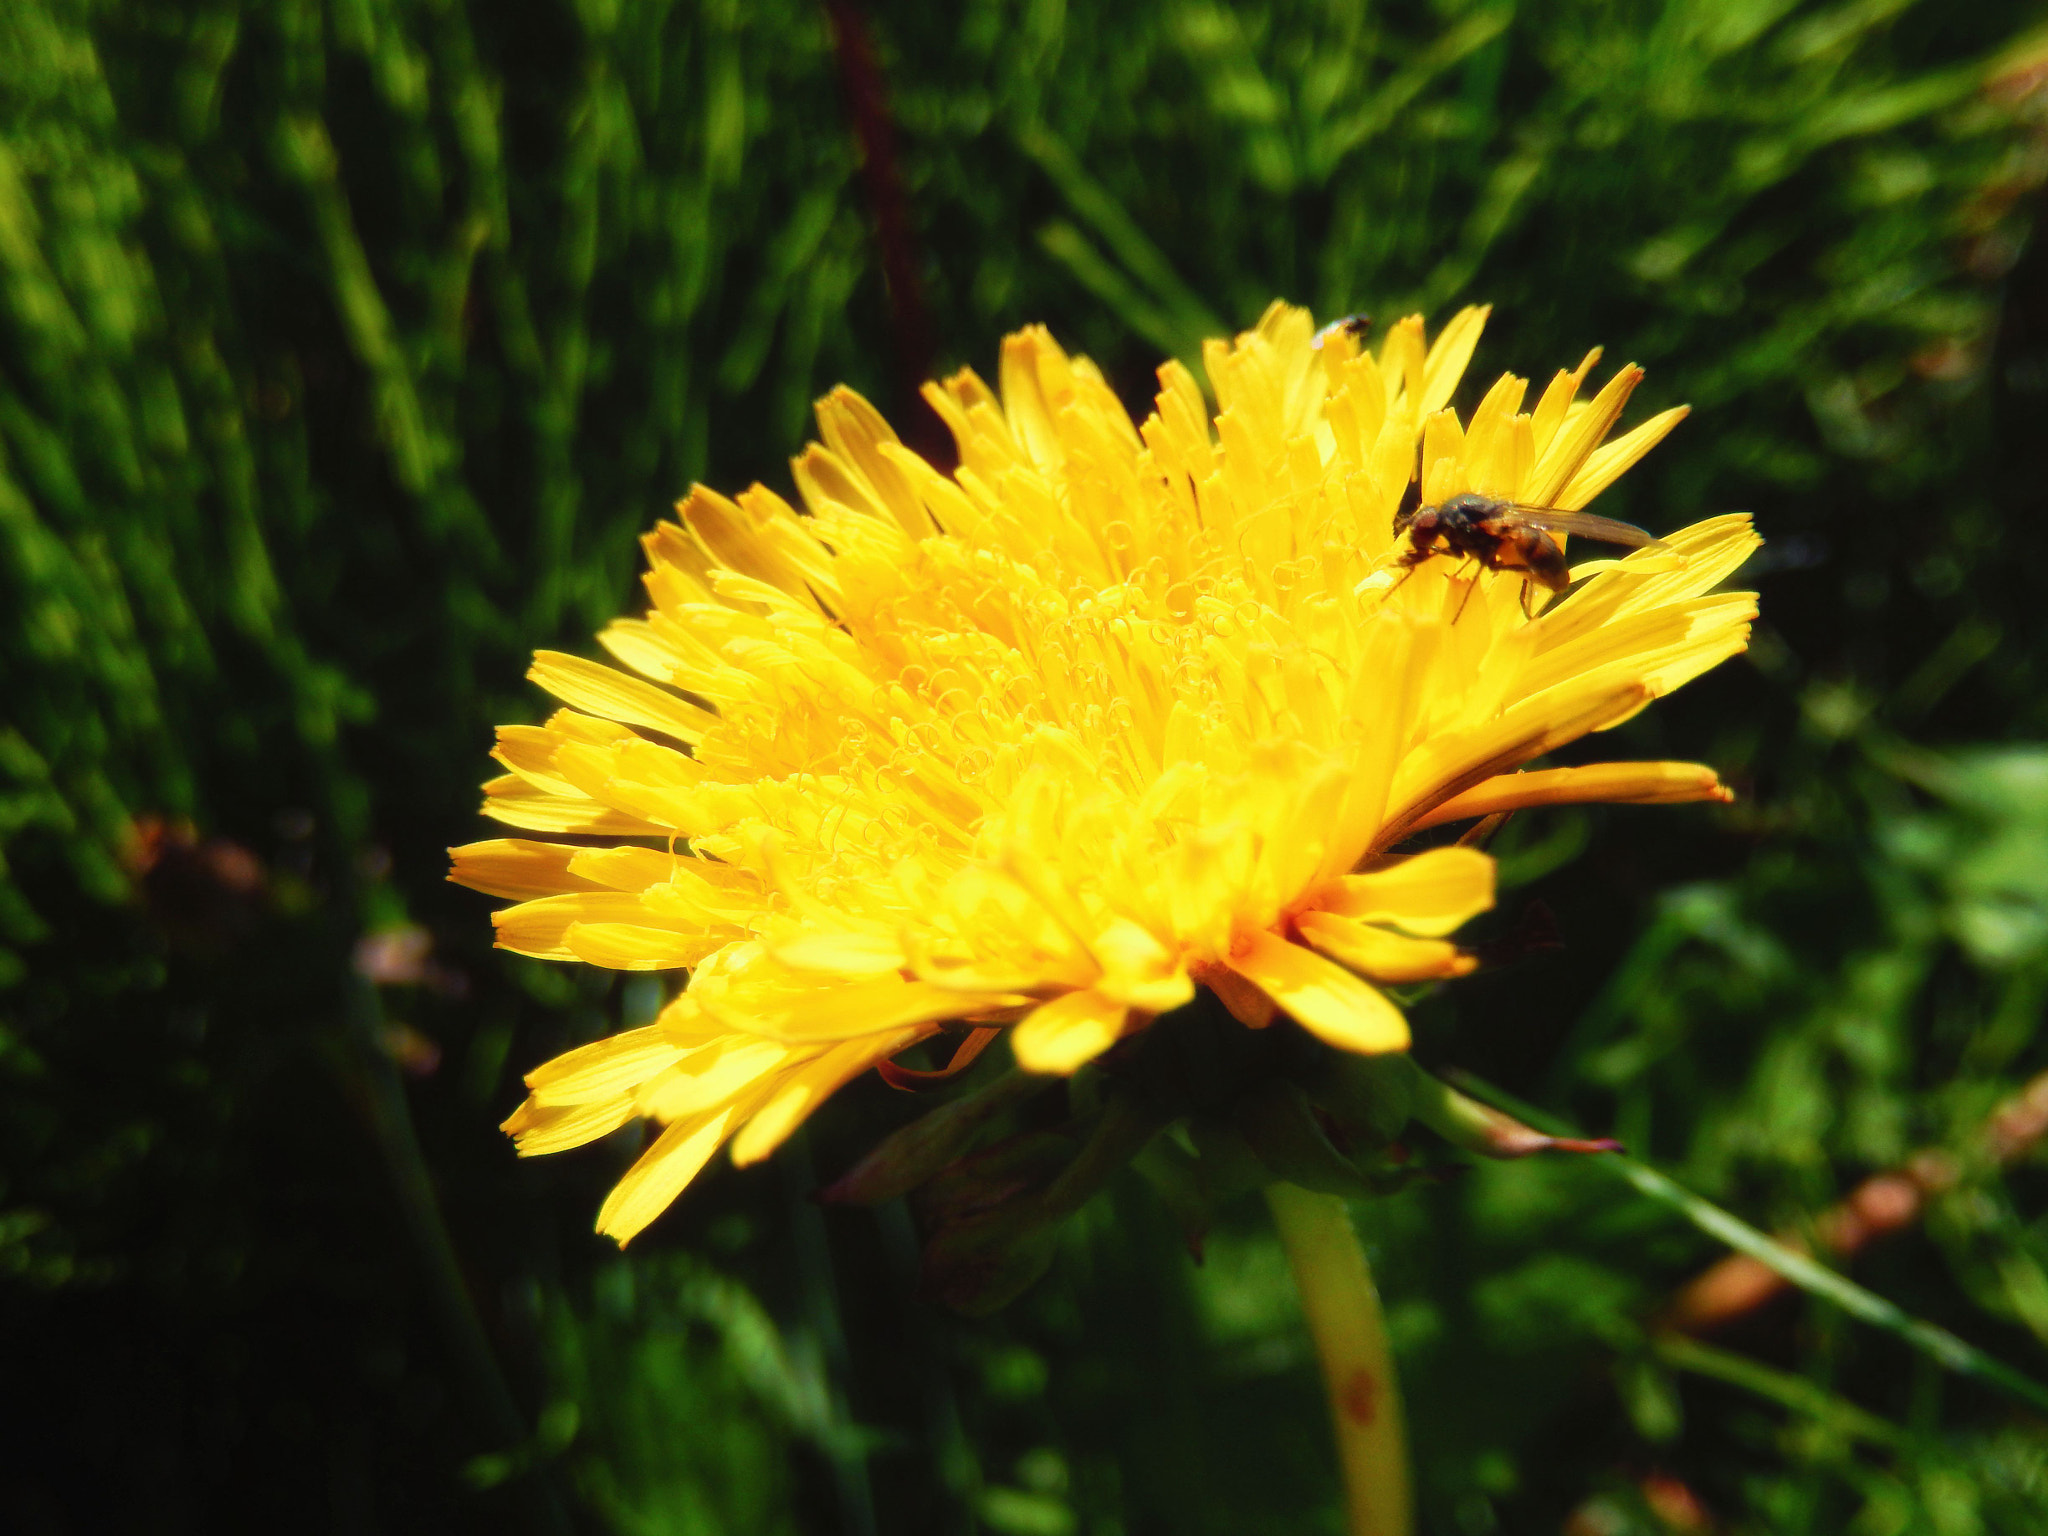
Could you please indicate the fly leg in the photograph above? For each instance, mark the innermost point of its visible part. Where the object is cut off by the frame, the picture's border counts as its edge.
(1408, 561)
(1469, 590)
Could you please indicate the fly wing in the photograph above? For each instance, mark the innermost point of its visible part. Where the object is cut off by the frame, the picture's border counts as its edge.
(1584, 524)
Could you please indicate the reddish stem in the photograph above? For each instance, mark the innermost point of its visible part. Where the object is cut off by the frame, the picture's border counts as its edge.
(867, 103)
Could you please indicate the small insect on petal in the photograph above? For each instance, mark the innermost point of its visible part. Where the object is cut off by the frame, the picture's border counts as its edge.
(1356, 326)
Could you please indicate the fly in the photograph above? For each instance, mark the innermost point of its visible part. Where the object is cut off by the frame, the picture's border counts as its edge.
(1508, 536)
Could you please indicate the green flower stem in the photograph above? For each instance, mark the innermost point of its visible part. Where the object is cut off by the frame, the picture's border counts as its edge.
(1344, 1318)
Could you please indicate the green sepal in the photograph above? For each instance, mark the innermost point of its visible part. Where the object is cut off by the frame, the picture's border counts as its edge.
(1371, 1098)
(980, 1265)
(1278, 1122)
(994, 1218)
(922, 1148)
(1175, 1175)
(1014, 1169)
(1127, 1123)
(1224, 1160)
(1467, 1123)
(989, 1231)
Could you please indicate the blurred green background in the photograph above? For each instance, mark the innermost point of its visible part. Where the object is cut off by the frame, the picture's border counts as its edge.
(344, 350)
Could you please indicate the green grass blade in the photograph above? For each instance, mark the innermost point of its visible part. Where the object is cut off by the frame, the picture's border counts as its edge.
(1788, 1391)
(1816, 1279)
(1168, 292)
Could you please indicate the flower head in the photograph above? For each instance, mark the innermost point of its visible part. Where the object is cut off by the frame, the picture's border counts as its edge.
(1109, 712)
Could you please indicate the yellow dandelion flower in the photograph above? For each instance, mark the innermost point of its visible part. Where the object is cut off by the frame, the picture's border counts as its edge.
(1109, 712)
